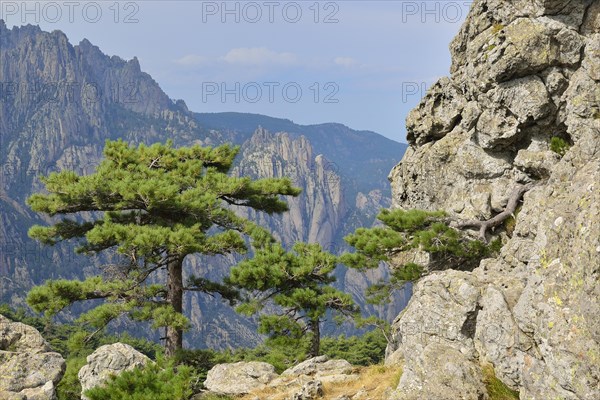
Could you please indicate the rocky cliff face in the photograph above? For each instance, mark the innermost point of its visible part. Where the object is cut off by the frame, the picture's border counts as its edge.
(60, 102)
(522, 73)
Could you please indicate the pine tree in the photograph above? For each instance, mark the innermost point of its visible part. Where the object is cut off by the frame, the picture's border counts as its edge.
(155, 205)
(405, 230)
(298, 283)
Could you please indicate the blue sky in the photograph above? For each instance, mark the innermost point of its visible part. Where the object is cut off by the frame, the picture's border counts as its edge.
(361, 63)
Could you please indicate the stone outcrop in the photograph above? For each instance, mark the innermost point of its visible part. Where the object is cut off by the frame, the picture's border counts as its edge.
(522, 73)
(29, 370)
(320, 368)
(107, 360)
(239, 378)
(441, 372)
(302, 381)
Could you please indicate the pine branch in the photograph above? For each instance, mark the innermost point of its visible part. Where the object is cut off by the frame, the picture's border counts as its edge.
(511, 206)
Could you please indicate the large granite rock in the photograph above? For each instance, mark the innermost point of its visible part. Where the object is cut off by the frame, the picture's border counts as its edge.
(107, 360)
(29, 370)
(303, 381)
(440, 372)
(522, 73)
(239, 378)
(321, 368)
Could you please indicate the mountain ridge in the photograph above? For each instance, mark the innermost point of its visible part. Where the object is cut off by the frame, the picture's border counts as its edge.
(45, 129)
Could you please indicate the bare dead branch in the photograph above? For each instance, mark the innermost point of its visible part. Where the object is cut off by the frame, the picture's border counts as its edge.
(511, 206)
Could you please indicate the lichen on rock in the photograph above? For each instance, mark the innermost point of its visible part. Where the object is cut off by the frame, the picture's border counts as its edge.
(29, 369)
(522, 73)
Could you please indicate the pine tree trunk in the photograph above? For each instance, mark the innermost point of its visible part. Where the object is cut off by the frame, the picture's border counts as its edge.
(174, 340)
(315, 342)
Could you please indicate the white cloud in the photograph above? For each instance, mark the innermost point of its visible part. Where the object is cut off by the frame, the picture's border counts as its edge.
(258, 56)
(345, 61)
(191, 60)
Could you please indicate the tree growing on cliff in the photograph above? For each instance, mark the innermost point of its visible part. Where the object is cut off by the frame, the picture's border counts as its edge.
(403, 231)
(155, 205)
(298, 283)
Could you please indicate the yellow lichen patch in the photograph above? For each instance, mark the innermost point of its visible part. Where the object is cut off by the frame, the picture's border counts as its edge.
(557, 300)
(497, 28)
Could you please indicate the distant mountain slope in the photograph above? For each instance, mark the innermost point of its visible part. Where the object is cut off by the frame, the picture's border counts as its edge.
(61, 102)
(362, 154)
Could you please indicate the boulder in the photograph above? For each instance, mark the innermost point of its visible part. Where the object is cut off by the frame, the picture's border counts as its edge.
(107, 360)
(324, 369)
(310, 391)
(320, 366)
(28, 367)
(239, 378)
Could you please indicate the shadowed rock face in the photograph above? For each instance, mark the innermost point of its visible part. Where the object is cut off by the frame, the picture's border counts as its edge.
(522, 72)
(28, 367)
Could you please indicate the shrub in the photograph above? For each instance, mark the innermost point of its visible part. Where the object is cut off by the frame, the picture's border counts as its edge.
(69, 387)
(365, 350)
(156, 381)
(559, 145)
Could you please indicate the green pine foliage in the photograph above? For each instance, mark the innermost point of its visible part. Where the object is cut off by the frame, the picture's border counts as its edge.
(69, 387)
(153, 205)
(156, 381)
(365, 350)
(405, 230)
(299, 284)
(274, 351)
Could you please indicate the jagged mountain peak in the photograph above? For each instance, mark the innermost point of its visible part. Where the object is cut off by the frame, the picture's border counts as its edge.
(44, 131)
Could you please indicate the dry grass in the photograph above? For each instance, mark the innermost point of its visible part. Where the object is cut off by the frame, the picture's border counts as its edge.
(375, 380)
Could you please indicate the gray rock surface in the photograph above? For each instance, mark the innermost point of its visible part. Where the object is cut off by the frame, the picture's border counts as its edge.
(320, 366)
(310, 391)
(28, 368)
(440, 372)
(107, 360)
(239, 378)
(522, 72)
